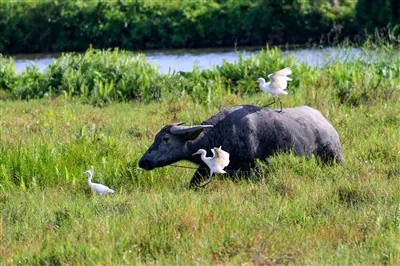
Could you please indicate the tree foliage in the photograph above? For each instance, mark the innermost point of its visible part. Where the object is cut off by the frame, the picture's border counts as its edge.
(51, 26)
(372, 14)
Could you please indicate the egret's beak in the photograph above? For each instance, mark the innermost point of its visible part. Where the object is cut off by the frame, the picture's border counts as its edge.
(195, 153)
(257, 81)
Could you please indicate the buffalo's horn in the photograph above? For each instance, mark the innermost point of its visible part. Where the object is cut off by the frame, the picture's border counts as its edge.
(176, 130)
(178, 124)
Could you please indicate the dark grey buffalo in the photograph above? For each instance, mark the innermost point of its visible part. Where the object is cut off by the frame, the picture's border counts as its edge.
(247, 133)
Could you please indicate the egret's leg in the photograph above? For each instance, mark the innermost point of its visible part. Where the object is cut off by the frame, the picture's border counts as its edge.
(270, 103)
(200, 175)
(205, 184)
(281, 105)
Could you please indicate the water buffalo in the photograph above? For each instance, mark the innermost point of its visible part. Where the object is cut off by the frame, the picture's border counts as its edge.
(247, 133)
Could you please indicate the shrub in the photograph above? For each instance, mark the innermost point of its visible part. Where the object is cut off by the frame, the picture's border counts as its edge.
(103, 76)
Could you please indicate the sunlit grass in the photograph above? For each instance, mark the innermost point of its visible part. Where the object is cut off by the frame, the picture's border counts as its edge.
(297, 211)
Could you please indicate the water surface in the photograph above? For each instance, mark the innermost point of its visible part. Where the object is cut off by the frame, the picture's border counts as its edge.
(183, 60)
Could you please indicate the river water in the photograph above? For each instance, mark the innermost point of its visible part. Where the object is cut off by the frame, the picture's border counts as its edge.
(183, 60)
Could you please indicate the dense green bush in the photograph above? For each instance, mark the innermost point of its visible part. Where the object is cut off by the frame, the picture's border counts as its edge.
(29, 84)
(103, 76)
(97, 76)
(49, 26)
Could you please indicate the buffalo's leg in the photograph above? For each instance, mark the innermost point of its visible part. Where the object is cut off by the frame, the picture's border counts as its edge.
(201, 174)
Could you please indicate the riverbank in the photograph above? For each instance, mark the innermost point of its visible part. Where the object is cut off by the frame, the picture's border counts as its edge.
(100, 77)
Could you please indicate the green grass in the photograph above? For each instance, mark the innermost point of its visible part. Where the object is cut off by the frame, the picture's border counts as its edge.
(295, 211)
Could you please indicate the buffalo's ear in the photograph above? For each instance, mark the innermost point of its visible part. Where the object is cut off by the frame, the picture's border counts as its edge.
(192, 135)
(188, 132)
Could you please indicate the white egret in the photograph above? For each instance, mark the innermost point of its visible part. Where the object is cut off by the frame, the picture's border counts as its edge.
(277, 85)
(98, 188)
(216, 163)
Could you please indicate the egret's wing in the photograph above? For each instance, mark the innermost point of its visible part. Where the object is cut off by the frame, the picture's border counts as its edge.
(100, 187)
(283, 72)
(278, 82)
(213, 152)
(279, 79)
(221, 157)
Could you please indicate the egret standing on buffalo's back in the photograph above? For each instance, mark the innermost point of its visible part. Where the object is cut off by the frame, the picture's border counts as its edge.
(277, 85)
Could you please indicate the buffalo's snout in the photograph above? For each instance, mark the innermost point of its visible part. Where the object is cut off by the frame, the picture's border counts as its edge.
(146, 163)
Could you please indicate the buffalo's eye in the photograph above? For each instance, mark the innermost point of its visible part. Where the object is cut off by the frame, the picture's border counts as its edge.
(166, 139)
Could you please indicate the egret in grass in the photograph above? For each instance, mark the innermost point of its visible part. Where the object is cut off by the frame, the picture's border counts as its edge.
(216, 163)
(277, 85)
(98, 188)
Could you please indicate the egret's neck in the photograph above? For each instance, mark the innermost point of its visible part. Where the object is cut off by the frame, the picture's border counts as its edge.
(265, 86)
(203, 156)
(206, 160)
(89, 180)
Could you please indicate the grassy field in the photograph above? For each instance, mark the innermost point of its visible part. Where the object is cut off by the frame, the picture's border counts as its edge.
(297, 211)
